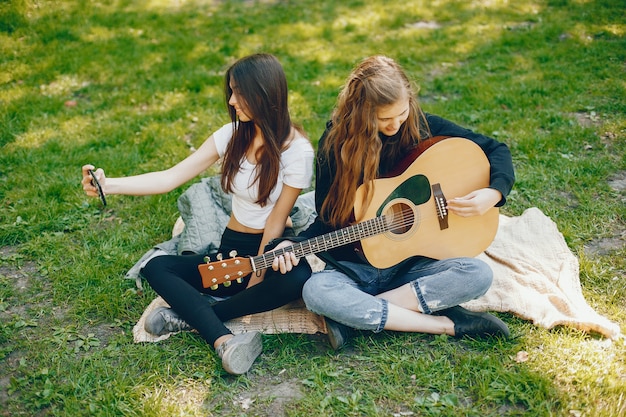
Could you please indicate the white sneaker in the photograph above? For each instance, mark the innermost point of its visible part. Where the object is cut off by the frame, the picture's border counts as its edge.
(239, 353)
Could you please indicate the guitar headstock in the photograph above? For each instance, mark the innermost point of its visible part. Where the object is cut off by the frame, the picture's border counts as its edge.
(224, 271)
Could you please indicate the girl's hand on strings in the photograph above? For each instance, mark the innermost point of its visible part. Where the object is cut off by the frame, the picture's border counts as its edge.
(285, 262)
(475, 203)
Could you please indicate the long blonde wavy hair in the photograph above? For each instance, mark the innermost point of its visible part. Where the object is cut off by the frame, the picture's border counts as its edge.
(354, 137)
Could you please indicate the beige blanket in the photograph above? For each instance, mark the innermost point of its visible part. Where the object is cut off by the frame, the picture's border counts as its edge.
(536, 277)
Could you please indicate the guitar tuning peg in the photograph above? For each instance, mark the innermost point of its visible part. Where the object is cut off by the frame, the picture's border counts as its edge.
(239, 280)
(227, 283)
(207, 259)
(219, 256)
(232, 253)
(214, 287)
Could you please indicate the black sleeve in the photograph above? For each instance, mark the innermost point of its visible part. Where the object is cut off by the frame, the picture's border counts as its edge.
(502, 175)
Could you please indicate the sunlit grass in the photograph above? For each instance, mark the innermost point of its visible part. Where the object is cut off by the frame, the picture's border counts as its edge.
(134, 86)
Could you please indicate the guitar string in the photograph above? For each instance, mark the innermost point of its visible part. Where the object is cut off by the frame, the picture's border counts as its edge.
(405, 218)
(377, 225)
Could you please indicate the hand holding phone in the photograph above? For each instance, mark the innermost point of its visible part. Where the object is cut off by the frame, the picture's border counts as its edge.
(96, 183)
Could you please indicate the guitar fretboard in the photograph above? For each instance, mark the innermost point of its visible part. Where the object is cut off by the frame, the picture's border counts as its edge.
(326, 242)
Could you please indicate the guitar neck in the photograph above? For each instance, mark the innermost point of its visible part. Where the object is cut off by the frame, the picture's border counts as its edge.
(325, 242)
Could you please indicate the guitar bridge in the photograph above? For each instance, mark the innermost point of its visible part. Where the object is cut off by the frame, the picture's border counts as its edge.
(441, 204)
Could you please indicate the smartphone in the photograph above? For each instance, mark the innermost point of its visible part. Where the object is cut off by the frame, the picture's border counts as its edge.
(95, 183)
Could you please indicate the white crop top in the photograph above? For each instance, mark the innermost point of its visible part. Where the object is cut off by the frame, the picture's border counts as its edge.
(296, 170)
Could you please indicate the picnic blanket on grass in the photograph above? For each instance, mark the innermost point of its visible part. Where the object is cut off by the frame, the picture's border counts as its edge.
(536, 277)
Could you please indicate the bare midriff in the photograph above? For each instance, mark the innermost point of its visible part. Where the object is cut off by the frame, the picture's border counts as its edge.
(233, 224)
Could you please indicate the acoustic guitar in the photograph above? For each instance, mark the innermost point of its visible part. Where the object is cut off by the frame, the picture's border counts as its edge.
(406, 217)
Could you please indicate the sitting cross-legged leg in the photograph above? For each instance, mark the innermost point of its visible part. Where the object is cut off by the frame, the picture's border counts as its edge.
(178, 281)
(420, 295)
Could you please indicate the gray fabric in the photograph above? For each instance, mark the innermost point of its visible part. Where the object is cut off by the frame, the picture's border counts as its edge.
(205, 209)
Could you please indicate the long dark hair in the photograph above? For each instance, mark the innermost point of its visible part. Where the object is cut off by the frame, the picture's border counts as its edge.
(261, 83)
(354, 139)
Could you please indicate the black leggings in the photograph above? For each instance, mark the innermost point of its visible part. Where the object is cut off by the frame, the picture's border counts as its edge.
(178, 281)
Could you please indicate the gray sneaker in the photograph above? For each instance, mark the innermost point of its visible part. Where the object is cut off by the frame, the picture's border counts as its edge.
(164, 320)
(239, 353)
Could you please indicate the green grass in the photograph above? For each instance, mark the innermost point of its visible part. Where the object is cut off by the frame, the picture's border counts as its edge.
(132, 86)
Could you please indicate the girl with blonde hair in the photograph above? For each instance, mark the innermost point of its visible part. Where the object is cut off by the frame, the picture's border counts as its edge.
(376, 123)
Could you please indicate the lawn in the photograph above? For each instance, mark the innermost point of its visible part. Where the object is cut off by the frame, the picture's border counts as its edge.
(133, 86)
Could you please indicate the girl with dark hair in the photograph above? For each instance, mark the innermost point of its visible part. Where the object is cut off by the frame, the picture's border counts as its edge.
(377, 122)
(266, 161)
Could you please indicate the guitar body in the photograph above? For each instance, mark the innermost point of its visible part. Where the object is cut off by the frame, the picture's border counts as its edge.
(458, 166)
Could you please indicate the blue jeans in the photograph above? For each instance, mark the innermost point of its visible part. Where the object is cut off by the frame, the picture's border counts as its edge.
(437, 285)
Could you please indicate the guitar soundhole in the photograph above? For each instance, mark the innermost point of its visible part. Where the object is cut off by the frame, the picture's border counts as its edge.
(401, 218)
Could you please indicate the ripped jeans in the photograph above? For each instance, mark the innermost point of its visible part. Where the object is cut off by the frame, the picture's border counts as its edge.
(437, 284)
